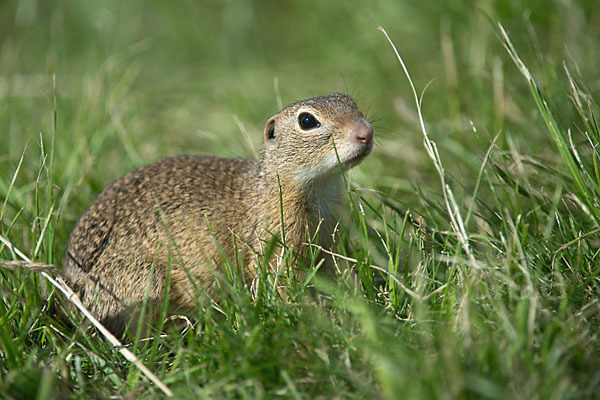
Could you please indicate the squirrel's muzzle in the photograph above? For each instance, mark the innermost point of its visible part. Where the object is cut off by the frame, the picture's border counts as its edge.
(363, 132)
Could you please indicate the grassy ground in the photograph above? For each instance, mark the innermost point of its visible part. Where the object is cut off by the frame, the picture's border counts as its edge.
(492, 247)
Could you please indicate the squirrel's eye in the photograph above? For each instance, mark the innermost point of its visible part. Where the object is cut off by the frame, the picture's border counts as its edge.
(308, 121)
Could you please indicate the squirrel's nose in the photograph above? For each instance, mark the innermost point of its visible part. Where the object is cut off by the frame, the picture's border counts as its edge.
(363, 132)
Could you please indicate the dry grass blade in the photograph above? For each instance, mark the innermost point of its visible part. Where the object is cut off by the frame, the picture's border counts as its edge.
(61, 285)
(456, 220)
(13, 265)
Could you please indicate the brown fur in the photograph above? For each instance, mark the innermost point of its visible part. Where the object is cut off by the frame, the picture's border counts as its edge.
(185, 212)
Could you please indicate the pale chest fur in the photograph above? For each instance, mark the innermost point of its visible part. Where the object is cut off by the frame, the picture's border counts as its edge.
(309, 215)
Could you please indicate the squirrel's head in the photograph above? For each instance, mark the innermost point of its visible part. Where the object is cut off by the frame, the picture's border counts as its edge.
(308, 141)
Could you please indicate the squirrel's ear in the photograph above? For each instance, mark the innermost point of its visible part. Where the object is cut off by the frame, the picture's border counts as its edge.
(270, 130)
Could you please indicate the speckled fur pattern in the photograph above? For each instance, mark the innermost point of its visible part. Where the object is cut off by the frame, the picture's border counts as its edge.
(184, 212)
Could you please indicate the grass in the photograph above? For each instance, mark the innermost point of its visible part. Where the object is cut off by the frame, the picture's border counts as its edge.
(474, 259)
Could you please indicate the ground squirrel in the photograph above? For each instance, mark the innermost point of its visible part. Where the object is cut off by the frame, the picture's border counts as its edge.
(186, 211)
